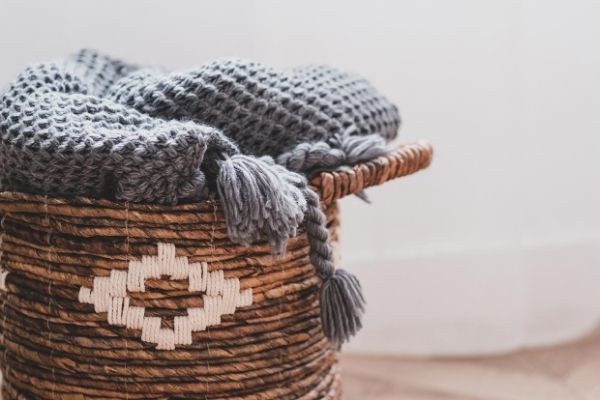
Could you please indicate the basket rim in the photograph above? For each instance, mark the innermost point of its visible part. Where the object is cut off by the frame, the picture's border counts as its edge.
(405, 159)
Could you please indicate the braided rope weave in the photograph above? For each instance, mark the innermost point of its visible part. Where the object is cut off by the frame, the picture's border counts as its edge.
(55, 345)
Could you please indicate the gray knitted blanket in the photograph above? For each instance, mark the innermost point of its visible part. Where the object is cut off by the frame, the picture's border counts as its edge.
(94, 126)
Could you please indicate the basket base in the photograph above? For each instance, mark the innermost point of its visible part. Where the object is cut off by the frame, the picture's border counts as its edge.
(329, 389)
(100, 300)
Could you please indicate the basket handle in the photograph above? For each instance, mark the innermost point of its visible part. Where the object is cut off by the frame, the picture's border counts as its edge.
(404, 160)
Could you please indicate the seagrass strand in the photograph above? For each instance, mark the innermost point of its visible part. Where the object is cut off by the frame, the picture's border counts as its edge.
(84, 348)
(273, 349)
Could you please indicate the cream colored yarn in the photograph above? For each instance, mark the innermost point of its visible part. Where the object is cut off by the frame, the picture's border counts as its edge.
(220, 296)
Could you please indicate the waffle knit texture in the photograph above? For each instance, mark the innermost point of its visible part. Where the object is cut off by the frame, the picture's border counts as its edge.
(90, 125)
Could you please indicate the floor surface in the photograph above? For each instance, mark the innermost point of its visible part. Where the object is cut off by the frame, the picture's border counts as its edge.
(566, 372)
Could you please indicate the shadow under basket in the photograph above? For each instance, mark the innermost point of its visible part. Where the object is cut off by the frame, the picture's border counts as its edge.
(134, 301)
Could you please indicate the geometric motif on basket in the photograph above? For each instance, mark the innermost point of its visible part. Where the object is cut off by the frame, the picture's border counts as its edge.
(220, 296)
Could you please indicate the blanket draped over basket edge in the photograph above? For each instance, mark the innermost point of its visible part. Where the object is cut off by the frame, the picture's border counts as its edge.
(90, 125)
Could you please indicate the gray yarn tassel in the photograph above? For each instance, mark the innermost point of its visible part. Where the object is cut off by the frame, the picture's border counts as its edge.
(342, 301)
(260, 200)
(264, 200)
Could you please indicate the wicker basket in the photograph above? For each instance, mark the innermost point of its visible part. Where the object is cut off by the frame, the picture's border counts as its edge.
(86, 314)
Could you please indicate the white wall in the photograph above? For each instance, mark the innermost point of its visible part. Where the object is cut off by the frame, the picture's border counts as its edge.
(498, 244)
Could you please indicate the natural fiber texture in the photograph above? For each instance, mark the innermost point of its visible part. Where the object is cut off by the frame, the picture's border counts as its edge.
(55, 345)
(95, 126)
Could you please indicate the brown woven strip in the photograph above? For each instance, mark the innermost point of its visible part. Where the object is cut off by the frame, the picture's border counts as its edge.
(405, 160)
(54, 346)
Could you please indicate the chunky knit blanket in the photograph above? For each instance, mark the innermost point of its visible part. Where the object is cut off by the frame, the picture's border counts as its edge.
(94, 126)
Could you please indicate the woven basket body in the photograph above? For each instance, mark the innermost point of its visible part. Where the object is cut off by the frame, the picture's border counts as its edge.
(110, 300)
